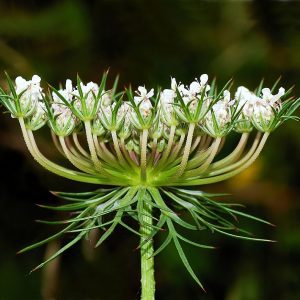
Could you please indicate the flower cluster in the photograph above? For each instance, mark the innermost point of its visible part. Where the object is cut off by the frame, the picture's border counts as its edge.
(144, 128)
(196, 103)
(147, 146)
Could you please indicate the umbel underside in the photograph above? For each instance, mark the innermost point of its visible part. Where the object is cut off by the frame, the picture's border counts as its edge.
(147, 189)
(147, 154)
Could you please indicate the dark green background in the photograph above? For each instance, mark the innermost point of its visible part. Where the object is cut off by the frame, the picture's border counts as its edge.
(146, 42)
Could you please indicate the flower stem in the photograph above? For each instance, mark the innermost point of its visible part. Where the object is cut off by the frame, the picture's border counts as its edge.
(144, 155)
(147, 259)
(187, 149)
(91, 145)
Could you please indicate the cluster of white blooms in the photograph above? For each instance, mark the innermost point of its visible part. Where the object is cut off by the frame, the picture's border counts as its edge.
(175, 106)
(143, 100)
(260, 109)
(220, 114)
(29, 92)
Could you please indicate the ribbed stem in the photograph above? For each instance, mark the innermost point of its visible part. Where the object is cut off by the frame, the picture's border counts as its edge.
(147, 259)
(169, 145)
(91, 145)
(78, 145)
(144, 155)
(117, 149)
(234, 155)
(228, 175)
(187, 149)
(49, 165)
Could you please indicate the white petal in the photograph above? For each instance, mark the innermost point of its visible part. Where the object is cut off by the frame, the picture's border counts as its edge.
(195, 87)
(150, 94)
(36, 79)
(203, 79)
(281, 91)
(20, 81)
(173, 84)
(142, 90)
(69, 86)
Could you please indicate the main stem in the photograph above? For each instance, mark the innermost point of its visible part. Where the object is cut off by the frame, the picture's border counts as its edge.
(147, 259)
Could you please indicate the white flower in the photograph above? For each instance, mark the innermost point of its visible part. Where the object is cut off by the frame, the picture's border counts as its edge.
(174, 84)
(106, 98)
(143, 94)
(197, 86)
(222, 114)
(31, 93)
(64, 119)
(166, 102)
(67, 93)
(38, 118)
(143, 100)
(90, 91)
(272, 99)
(259, 110)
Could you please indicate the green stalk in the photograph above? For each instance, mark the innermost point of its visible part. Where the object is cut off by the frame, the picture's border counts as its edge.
(49, 165)
(117, 149)
(228, 175)
(169, 145)
(76, 162)
(78, 145)
(89, 137)
(234, 155)
(144, 155)
(187, 149)
(147, 259)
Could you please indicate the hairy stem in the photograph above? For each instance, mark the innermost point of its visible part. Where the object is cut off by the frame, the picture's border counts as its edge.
(49, 165)
(228, 175)
(91, 145)
(117, 148)
(169, 145)
(76, 162)
(147, 259)
(144, 155)
(187, 149)
(78, 145)
(234, 155)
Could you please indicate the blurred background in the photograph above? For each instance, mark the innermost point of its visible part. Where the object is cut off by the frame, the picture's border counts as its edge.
(146, 42)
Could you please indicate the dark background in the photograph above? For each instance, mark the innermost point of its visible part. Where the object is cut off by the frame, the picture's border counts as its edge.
(146, 42)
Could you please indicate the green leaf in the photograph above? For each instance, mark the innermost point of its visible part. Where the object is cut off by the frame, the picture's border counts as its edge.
(72, 225)
(67, 246)
(182, 254)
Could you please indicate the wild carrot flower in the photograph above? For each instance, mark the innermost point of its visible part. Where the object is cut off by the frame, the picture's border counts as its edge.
(148, 152)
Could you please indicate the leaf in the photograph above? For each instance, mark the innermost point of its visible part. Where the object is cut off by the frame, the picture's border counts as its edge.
(167, 211)
(166, 242)
(182, 254)
(243, 237)
(67, 246)
(128, 197)
(53, 236)
(193, 243)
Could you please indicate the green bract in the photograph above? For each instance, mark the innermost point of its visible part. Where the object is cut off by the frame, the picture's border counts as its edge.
(148, 153)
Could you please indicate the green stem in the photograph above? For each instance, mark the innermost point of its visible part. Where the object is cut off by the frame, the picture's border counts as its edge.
(187, 149)
(228, 175)
(147, 259)
(234, 155)
(144, 155)
(117, 149)
(78, 145)
(89, 137)
(49, 165)
(169, 145)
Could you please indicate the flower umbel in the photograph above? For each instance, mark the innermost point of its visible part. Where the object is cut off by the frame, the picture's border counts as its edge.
(147, 151)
